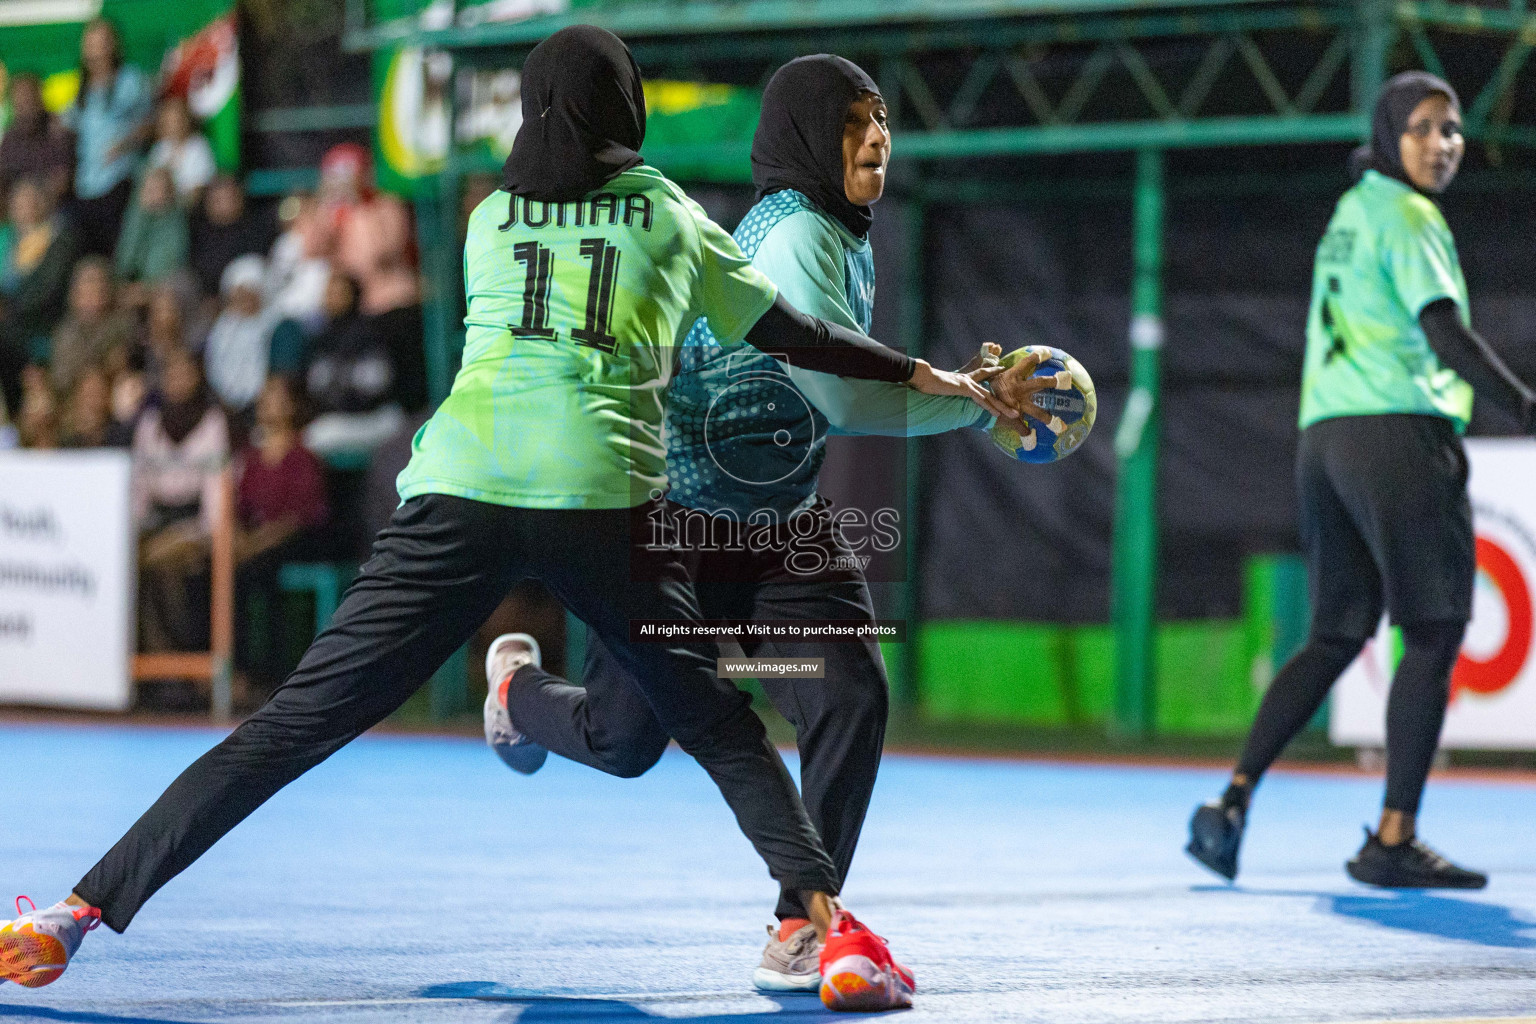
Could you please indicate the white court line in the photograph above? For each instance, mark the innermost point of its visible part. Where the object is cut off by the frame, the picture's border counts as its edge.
(1445, 1020)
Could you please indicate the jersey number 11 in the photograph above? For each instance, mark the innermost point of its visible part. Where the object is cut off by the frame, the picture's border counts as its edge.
(538, 264)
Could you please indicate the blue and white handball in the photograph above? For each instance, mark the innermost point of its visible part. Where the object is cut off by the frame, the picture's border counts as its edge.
(1072, 403)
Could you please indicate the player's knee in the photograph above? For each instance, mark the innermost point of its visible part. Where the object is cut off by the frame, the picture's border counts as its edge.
(634, 761)
(861, 699)
(1342, 649)
(738, 731)
(1436, 640)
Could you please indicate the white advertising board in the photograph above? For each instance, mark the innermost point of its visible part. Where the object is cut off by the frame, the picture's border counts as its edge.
(1493, 687)
(66, 579)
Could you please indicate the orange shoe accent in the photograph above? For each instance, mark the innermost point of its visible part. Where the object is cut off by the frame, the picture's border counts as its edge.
(846, 990)
(789, 926)
(30, 959)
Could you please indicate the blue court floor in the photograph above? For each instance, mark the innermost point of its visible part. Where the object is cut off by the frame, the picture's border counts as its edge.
(416, 880)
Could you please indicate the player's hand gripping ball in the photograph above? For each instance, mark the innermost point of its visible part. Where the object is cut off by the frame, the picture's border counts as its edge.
(1069, 404)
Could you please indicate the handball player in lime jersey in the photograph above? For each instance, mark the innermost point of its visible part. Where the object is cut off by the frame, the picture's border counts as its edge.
(1391, 368)
(582, 276)
(746, 440)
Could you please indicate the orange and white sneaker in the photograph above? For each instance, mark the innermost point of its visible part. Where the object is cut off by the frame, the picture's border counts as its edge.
(858, 972)
(36, 947)
(508, 653)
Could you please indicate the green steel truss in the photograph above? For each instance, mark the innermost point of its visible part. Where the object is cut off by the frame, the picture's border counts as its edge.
(971, 78)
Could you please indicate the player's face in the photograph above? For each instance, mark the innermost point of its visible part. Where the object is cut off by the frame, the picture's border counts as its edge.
(866, 150)
(1433, 144)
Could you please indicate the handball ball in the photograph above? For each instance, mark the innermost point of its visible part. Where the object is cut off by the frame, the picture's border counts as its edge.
(1072, 401)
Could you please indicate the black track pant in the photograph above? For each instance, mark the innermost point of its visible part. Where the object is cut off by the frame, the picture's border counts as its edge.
(1415, 705)
(1385, 522)
(437, 572)
(839, 720)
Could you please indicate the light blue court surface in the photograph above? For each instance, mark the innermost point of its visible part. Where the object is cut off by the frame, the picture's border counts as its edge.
(416, 880)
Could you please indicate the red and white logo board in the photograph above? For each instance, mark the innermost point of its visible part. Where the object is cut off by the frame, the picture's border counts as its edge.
(1493, 687)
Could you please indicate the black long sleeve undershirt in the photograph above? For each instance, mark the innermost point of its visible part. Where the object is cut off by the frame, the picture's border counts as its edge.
(814, 344)
(1464, 351)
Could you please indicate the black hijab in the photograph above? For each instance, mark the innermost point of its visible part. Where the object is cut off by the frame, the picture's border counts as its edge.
(1390, 121)
(799, 139)
(583, 116)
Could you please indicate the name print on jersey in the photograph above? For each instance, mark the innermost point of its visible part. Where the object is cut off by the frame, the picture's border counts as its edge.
(594, 211)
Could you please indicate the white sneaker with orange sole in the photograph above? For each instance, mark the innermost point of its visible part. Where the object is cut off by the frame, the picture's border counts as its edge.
(36, 947)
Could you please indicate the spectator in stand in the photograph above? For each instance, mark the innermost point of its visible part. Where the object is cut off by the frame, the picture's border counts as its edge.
(110, 118)
(239, 345)
(179, 448)
(34, 282)
(181, 149)
(350, 378)
(130, 395)
(166, 326)
(153, 243)
(300, 265)
(373, 245)
(36, 144)
(289, 350)
(38, 422)
(93, 331)
(222, 230)
(88, 414)
(282, 506)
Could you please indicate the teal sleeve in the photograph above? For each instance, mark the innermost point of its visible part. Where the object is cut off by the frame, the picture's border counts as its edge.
(803, 255)
(1420, 258)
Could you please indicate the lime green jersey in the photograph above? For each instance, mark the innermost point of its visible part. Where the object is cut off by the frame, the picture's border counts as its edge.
(1387, 254)
(576, 310)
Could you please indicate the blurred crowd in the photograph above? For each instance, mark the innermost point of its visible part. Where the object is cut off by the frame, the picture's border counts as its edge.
(145, 304)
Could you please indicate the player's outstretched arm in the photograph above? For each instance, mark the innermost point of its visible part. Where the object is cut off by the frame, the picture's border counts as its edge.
(1464, 351)
(878, 407)
(815, 344)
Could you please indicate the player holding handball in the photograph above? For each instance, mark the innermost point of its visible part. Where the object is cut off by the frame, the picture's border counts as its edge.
(819, 157)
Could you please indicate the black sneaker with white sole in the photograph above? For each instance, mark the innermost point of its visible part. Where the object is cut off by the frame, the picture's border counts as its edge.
(1410, 865)
(1215, 833)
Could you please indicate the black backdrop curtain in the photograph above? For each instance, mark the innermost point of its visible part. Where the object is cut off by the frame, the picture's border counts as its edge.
(999, 539)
